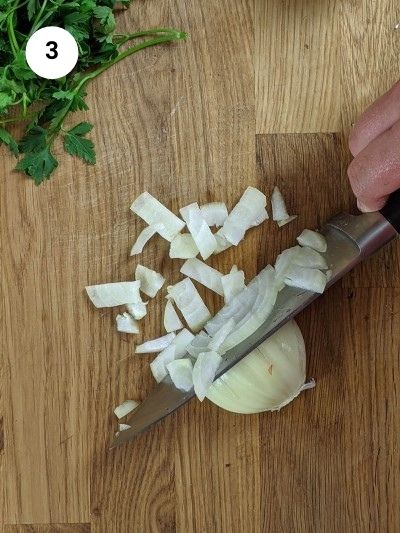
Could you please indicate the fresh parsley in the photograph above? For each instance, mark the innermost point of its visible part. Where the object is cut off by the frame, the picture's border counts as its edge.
(44, 105)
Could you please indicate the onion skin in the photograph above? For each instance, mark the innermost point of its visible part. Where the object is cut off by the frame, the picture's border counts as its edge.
(268, 378)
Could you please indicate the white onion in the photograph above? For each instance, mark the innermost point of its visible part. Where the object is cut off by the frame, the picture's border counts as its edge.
(307, 257)
(125, 408)
(198, 227)
(204, 274)
(284, 261)
(309, 279)
(155, 345)
(268, 378)
(222, 243)
(137, 310)
(150, 281)
(220, 336)
(204, 370)
(234, 268)
(183, 247)
(154, 212)
(126, 324)
(181, 372)
(242, 216)
(279, 211)
(158, 366)
(144, 237)
(123, 427)
(282, 223)
(114, 294)
(172, 321)
(312, 239)
(214, 213)
(232, 284)
(182, 341)
(190, 304)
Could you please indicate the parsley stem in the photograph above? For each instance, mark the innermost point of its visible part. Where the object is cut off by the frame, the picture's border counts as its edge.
(17, 119)
(121, 39)
(11, 34)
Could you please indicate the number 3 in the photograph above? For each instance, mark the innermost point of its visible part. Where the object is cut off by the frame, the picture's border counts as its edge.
(53, 49)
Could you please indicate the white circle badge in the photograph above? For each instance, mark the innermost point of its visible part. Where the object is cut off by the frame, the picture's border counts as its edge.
(52, 52)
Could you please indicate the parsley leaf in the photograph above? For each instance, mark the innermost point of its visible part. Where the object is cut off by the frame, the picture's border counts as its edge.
(76, 144)
(38, 165)
(7, 139)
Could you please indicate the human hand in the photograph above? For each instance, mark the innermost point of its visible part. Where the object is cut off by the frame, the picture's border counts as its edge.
(375, 144)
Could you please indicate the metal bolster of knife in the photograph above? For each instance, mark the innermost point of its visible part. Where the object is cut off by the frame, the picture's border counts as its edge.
(369, 231)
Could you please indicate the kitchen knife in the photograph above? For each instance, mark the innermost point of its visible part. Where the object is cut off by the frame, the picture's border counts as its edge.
(350, 239)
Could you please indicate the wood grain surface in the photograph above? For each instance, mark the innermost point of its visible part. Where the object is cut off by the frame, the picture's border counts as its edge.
(262, 93)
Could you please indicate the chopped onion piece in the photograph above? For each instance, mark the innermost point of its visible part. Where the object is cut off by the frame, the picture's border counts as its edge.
(183, 247)
(285, 261)
(328, 275)
(279, 211)
(222, 243)
(242, 216)
(201, 233)
(154, 212)
(204, 370)
(137, 310)
(123, 427)
(307, 257)
(261, 217)
(234, 269)
(190, 304)
(214, 213)
(232, 284)
(144, 237)
(172, 321)
(309, 279)
(126, 324)
(158, 366)
(199, 344)
(204, 274)
(113, 294)
(313, 239)
(156, 345)
(282, 223)
(181, 372)
(221, 335)
(150, 281)
(125, 408)
(182, 341)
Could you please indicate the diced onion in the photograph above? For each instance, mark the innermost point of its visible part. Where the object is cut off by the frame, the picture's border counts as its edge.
(190, 304)
(158, 366)
(220, 336)
(222, 243)
(282, 223)
(234, 269)
(150, 281)
(144, 237)
(126, 324)
(313, 239)
(181, 372)
(201, 233)
(182, 341)
(307, 257)
(155, 345)
(279, 211)
(284, 261)
(137, 310)
(172, 321)
(204, 274)
(309, 279)
(214, 213)
(242, 216)
(114, 294)
(123, 427)
(183, 247)
(232, 284)
(154, 212)
(125, 408)
(204, 370)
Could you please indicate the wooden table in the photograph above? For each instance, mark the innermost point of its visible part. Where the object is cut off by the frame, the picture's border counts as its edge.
(263, 93)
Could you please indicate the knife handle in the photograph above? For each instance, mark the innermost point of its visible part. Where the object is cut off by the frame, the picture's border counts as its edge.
(391, 210)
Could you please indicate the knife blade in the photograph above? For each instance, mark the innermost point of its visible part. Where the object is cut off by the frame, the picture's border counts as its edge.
(350, 239)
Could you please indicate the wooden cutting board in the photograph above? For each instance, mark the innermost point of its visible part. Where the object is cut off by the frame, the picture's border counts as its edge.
(263, 92)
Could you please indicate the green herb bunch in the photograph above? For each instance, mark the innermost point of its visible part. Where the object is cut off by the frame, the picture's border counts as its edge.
(45, 104)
